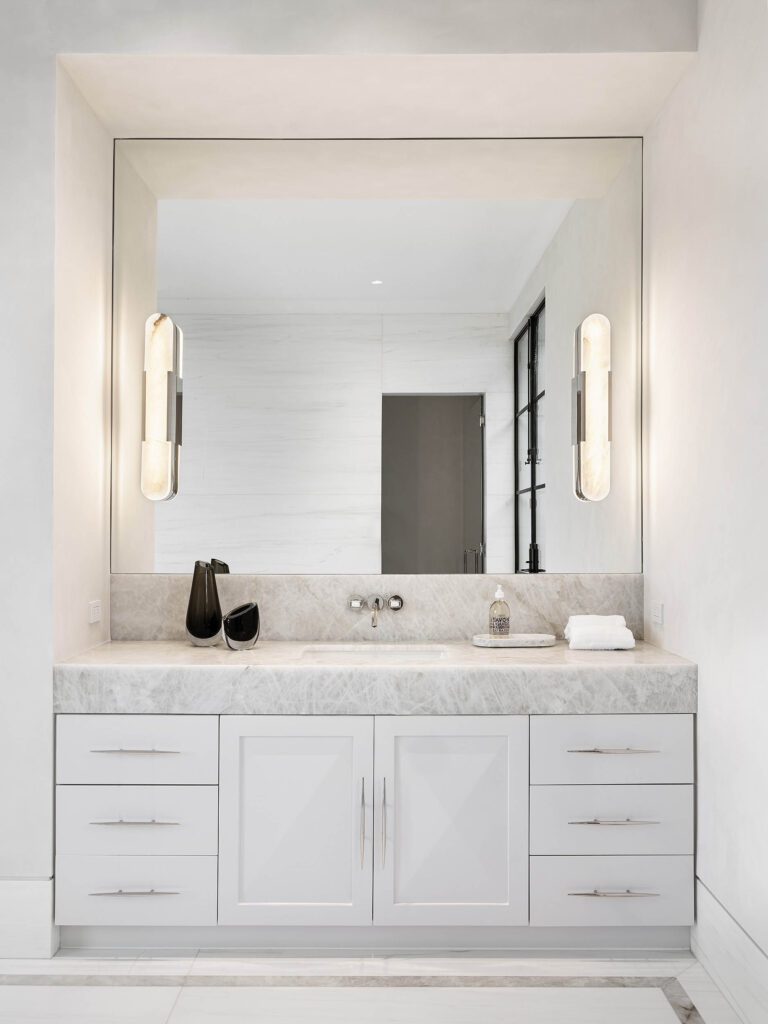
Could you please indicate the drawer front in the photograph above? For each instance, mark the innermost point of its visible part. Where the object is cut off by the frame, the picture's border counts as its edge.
(138, 749)
(611, 820)
(611, 749)
(155, 890)
(614, 891)
(140, 820)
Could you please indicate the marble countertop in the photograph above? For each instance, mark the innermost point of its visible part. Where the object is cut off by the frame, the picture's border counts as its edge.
(290, 678)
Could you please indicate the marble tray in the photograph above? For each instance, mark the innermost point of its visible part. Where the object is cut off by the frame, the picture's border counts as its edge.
(514, 640)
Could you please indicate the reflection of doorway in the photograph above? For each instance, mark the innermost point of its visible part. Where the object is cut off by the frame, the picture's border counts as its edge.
(432, 484)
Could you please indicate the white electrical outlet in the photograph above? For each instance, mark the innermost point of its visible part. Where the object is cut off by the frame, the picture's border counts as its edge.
(94, 611)
(657, 613)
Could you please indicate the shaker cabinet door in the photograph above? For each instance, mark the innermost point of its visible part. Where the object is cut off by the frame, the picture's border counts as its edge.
(296, 819)
(451, 821)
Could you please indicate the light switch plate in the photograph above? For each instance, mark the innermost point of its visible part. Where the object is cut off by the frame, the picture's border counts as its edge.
(657, 613)
(94, 611)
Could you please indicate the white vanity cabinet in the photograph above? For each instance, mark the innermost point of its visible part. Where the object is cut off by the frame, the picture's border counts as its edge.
(451, 829)
(611, 820)
(375, 820)
(296, 820)
(136, 819)
(316, 830)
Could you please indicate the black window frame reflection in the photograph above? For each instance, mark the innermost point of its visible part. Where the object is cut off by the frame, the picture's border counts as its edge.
(527, 442)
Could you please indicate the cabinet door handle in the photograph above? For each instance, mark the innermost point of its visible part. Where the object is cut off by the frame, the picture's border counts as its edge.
(362, 823)
(614, 821)
(384, 823)
(136, 892)
(133, 750)
(614, 894)
(134, 821)
(612, 750)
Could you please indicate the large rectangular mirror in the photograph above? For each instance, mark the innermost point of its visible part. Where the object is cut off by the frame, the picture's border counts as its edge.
(382, 369)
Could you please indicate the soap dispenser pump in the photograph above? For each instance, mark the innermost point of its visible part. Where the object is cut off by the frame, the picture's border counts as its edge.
(499, 617)
(204, 610)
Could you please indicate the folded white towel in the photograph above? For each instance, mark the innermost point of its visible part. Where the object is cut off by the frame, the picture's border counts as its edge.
(599, 621)
(594, 638)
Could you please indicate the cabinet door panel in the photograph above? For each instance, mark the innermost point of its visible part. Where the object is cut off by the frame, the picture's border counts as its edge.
(295, 820)
(451, 841)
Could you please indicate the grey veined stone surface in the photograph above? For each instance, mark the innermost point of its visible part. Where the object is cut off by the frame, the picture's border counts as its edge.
(172, 677)
(446, 608)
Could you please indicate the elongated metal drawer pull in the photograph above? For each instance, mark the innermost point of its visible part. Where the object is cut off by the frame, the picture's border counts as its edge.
(384, 823)
(614, 821)
(134, 821)
(134, 750)
(362, 823)
(612, 750)
(614, 894)
(137, 892)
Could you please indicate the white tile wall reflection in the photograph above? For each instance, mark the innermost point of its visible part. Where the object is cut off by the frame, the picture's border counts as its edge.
(281, 461)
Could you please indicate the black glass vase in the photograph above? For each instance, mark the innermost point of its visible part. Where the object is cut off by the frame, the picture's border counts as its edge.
(204, 610)
(241, 627)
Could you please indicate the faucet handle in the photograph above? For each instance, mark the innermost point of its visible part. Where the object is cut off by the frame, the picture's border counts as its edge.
(357, 603)
(395, 602)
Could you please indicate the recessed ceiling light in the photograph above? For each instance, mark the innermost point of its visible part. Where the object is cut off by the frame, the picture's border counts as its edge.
(377, 282)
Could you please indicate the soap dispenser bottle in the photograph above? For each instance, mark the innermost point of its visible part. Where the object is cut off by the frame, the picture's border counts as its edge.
(204, 610)
(499, 618)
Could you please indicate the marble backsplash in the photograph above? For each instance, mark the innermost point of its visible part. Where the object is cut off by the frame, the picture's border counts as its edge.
(439, 608)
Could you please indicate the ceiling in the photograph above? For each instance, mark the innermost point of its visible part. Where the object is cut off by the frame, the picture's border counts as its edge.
(401, 95)
(322, 255)
(307, 225)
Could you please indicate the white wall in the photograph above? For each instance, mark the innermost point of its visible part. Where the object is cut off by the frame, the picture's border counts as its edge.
(135, 294)
(34, 31)
(55, 514)
(82, 372)
(706, 266)
(592, 265)
(281, 461)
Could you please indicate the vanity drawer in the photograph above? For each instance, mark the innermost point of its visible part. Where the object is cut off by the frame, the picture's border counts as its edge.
(611, 820)
(148, 749)
(611, 749)
(566, 891)
(155, 890)
(142, 820)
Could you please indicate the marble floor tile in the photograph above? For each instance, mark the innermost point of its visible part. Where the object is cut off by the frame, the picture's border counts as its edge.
(419, 1005)
(209, 963)
(48, 1004)
(534, 966)
(149, 966)
(223, 964)
(68, 965)
(709, 1000)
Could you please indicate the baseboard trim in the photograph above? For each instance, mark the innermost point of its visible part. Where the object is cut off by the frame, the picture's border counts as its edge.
(733, 960)
(390, 941)
(26, 919)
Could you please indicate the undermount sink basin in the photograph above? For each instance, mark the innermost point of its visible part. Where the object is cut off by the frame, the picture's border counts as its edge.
(373, 652)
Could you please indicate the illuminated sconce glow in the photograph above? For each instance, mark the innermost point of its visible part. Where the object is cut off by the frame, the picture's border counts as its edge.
(161, 438)
(592, 408)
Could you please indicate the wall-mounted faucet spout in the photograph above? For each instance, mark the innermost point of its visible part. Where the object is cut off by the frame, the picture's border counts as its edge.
(375, 604)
